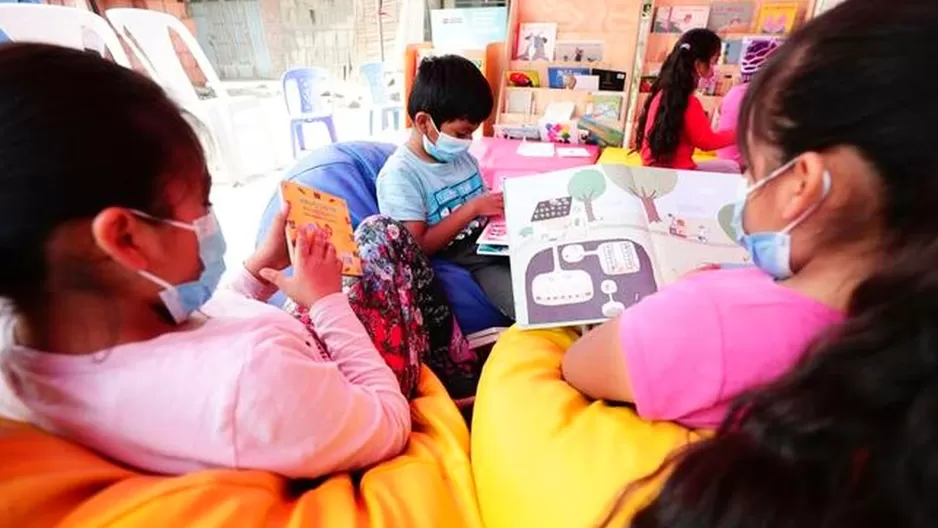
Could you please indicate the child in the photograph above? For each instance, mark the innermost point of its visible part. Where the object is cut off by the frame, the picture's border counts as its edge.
(753, 59)
(819, 209)
(110, 258)
(673, 123)
(433, 184)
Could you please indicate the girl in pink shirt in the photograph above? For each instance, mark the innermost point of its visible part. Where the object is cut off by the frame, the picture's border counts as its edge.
(112, 333)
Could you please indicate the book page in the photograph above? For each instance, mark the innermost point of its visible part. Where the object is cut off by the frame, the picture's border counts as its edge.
(689, 218)
(327, 212)
(580, 248)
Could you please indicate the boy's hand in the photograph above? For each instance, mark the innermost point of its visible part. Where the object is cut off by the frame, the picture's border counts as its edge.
(317, 271)
(272, 252)
(489, 204)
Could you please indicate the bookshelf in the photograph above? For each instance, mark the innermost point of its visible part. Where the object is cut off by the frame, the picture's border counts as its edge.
(657, 46)
(615, 23)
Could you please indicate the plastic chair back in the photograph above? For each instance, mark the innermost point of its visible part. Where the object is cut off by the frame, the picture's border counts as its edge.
(373, 74)
(148, 34)
(302, 91)
(63, 26)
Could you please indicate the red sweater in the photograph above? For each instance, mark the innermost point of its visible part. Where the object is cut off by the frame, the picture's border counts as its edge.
(697, 134)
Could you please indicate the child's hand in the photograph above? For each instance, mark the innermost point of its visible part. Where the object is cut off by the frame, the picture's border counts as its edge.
(272, 252)
(317, 271)
(489, 204)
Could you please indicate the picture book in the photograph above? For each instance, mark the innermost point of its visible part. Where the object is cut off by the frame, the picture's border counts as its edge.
(646, 83)
(586, 82)
(731, 17)
(662, 23)
(595, 132)
(519, 101)
(587, 243)
(755, 44)
(685, 18)
(536, 41)
(610, 80)
(579, 51)
(329, 213)
(777, 18)
(608, 107)
(495, 233)
(564, 78)
(521, 131)
(523, 79)
(732, 50)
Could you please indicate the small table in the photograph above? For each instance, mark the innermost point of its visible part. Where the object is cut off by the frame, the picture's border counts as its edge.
(499, 159)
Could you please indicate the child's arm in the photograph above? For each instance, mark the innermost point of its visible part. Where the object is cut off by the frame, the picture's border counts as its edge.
(304, 418)
(699, 133)
(664, 354)
(434, 238)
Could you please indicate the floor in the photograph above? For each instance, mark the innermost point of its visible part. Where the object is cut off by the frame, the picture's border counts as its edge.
(239, 208)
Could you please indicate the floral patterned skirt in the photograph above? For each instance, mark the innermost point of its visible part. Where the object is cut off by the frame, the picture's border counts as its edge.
(404, 309)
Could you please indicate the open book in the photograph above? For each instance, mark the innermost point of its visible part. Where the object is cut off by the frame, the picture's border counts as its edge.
(587, 243)
(329, 213)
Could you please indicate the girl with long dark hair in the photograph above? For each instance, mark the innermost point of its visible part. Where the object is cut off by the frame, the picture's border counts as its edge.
(673, 122)
(849, 437)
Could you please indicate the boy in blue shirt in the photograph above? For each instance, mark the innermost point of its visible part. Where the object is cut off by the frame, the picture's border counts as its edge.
(434, 186)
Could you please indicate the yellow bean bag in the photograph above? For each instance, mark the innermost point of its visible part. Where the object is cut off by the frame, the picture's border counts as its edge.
(542, 454)
(623, 156)
(46, 481)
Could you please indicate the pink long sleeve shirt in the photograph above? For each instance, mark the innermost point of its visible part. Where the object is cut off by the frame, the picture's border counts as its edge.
(248, 388)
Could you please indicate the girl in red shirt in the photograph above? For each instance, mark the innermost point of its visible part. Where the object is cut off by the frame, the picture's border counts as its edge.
(673, 123)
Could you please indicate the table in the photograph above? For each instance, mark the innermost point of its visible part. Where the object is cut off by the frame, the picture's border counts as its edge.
(499, 159)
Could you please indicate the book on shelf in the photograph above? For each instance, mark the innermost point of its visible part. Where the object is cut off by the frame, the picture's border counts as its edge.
(587, 243)
(610, 80)
(536, 41)
(662, 23)
(686, 18)
(587, 51)
(731, 51)
(328, 213)
(777, 18)
(522, 131)
(585, 82)
(606, 107)
(523, 79)
(519, 102)
(731, 17)
(560, 77)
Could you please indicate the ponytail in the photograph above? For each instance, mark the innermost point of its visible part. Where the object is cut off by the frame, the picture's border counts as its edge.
(675, 83)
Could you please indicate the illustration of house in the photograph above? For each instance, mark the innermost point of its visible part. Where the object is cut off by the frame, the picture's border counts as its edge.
(552, 217)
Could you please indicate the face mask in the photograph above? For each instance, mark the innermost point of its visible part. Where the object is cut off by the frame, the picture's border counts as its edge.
(183, 299)
(447, 147)
(771, 251)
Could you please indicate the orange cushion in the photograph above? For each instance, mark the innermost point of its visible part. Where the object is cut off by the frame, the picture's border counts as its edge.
(543, 454)
(46, 481)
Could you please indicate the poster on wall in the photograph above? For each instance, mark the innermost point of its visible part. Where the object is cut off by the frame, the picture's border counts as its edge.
(468, 29)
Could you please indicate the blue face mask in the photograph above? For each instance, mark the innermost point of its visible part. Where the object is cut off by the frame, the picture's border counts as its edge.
(771, 251)
(182, 300)
(447, 147)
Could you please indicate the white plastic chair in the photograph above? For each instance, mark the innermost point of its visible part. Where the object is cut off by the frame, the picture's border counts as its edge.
(237, 125)
(60, 25)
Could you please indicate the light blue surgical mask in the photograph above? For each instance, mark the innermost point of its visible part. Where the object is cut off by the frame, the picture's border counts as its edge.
(447, 147)
(181, 300)
(771, 251)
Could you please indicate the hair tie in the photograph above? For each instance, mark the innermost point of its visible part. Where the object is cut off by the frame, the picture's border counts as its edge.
(685, 46)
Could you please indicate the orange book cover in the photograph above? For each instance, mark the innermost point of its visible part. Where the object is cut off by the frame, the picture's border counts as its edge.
(777, 18)
(329, 213)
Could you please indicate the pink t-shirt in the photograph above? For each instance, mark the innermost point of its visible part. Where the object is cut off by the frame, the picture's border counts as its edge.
(729, 116)
(247, 388)
(696, 344)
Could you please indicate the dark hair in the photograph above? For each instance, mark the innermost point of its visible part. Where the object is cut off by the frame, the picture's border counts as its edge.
(448, 88)
(849, 437)
(79, 134)
(676, 82)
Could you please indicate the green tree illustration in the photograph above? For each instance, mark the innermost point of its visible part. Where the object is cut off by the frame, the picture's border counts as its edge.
(645, 184)
(725, 218)
(585, 186)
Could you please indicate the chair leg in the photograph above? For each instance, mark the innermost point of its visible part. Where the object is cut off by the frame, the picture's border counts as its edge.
(330, 125)
(371, 123)
(293, 138)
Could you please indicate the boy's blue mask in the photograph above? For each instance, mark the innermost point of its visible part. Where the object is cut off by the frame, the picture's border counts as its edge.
(447, 147)
(181, 300)
(771, 251)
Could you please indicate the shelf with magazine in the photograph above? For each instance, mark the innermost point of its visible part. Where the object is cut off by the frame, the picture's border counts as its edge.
(568, 67)
(741, 25)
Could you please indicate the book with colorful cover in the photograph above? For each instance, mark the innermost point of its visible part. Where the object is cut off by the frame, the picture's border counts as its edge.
(536, 41)
(559, 77)
(608, 107)
(777, 18)
(523, 79)
(731, 17)
(732, 51)
(587, 243)
(686, 18)
(662, 23)
(327, 212)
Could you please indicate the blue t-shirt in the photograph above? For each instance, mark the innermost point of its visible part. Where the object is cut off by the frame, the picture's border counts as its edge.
(413, 190)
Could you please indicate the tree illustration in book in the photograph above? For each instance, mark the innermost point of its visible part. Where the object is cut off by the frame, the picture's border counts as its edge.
(644, 185)
(585, 186)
